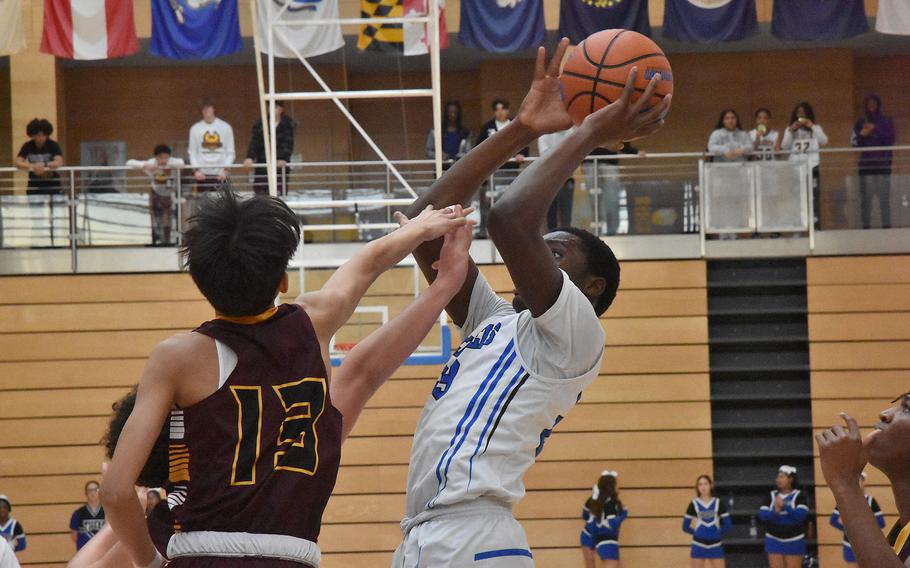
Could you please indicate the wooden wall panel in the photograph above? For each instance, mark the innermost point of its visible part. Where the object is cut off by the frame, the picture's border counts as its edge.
(66, 356)
(859, 358)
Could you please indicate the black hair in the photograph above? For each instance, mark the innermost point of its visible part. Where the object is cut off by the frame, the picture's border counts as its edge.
(91, 482)
(458, 120)
(601, 262)
(155, 471)
(39, 125)
(162, 149)
(606, 486)
(237, 250)
(503, 102)
(710, 482)
(810, 114)
(764, 110)
(723, 113)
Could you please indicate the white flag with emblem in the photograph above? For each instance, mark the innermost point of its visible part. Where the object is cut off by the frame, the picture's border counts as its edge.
(893, 17)
(11, 37)
(278, 16)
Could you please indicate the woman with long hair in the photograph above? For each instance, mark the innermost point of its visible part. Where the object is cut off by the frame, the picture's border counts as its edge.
(802, 139)
(608, 514)
(589, 530)
(712, 523)
(785, 521)
(729, 142)
(456, 139)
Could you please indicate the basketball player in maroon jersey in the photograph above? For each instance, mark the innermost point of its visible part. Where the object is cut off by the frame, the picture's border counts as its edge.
(843, 454)
(255, 423)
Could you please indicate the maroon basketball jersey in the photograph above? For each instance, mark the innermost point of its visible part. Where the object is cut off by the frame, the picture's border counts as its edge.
(260, 455)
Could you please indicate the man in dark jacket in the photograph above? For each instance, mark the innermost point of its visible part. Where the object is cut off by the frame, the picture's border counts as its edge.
(874, 129)
(284, 140)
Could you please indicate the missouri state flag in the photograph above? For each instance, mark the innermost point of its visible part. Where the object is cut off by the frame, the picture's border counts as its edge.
(502, 26)
(195, 29)
(89, 29)
(11, 37)
(711, 21)
(580, 18)
(814, 20)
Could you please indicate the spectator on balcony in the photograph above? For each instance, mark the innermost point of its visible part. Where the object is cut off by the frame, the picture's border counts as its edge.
(163, 170)
(802, 139)
(211, 148)
(284, 142)
(729, 142)
(507, 173)
(874, 129)
(456, 139)
(41, 156)
(763, 136)
(88, 519)
(10, 529)
(560, 212)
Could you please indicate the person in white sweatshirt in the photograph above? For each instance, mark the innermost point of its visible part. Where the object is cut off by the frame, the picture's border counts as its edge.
(802, 139)
(763, 136)
(729, 142)
(164, 170)
(211, 148)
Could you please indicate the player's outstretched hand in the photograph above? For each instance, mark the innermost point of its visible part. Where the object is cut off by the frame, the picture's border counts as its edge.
(543, 110)
(434, 223)
(841, 453)
(624, 120)
(452, 266)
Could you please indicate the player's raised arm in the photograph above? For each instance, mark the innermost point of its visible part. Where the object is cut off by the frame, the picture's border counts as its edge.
(374, 359)
(541, 112)
(516, 218)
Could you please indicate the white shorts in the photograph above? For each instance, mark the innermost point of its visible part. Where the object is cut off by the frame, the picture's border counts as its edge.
(471, 539)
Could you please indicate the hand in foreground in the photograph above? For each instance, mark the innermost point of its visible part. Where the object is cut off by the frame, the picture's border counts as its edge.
(542, 109)
(841, 454)
(452, 266)
(434, 223)
(624, 121)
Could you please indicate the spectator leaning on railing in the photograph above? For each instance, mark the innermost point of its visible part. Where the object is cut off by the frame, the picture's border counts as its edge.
(456, 139)
(41, 156)
(163, 169)
(284, 147)
(211, 148)
(729, 142)
(763, 136)
(874, 129)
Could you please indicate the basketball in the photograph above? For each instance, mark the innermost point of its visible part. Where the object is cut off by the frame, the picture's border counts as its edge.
(596, 71)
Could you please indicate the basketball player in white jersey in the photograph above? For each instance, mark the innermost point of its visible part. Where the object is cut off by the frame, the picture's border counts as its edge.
(521, 366)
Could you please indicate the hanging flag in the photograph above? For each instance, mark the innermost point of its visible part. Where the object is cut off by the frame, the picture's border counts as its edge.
(814, 20)
(381, 37)
(89, 29)
(502, 25)
(710, 21)
(893, 17)
(580, 18)
(11, 37)
(195, 29)
(309, 41)
(417, 36)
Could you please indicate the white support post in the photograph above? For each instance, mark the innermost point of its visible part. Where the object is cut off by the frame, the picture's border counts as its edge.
(254, 18)
(435, 82)
(271, 142)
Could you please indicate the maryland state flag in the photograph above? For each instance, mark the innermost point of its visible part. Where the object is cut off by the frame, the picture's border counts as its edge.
(381, 37)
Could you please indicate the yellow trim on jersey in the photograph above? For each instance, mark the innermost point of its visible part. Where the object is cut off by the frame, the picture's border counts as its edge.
(250, 320)
(902, 539)
(234, 390)
(178, 463)
(305, 414)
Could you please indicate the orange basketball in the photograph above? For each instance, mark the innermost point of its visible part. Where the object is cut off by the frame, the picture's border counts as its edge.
(596, 72)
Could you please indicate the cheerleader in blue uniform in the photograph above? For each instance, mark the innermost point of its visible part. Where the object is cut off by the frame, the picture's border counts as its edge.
(609, 514)
(785, 521)
(589, 530)
(712, 523)
(836, 522)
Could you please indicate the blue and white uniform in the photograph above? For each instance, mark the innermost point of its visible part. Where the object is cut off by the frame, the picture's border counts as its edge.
(13, 533)
(712, 523)
(839, 525)
(607, 536)
(495, 404)
(785, 531)
(590, 528)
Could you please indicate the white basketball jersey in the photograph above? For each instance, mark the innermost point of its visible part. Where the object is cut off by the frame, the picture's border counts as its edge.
(489, 414)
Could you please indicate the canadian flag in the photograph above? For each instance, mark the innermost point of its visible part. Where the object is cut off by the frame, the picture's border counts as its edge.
(89, 29)
(416, 36)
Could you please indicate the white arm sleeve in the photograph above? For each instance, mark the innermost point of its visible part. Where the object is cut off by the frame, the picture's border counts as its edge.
(193, 146)
(787, 142)
(714, 144)
(567, 340)
(483, 305)
(820, 135)
(229, 153)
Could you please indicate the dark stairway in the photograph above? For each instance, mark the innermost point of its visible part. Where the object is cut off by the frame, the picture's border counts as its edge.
(760, 406)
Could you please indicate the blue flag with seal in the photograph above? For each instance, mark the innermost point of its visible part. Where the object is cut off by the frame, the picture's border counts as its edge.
(195, 29)
(502, 26)
(580, 18)
(710, 21)
(812, 20)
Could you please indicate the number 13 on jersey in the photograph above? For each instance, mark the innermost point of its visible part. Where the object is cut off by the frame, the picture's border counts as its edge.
(298, 444)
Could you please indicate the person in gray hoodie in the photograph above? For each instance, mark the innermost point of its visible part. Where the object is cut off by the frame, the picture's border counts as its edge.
(874, 129)
(729, 142)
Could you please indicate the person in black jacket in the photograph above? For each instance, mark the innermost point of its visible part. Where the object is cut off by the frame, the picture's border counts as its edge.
(284, 140)
(507, 173)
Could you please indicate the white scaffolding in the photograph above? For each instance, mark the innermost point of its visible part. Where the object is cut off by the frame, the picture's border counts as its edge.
(279, 27)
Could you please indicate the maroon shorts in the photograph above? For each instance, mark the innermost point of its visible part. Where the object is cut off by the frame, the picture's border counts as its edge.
(222, 562)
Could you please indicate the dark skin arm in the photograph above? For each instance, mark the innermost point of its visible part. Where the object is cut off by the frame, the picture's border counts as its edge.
(515, 219)
(843, 459)
(541, 112)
